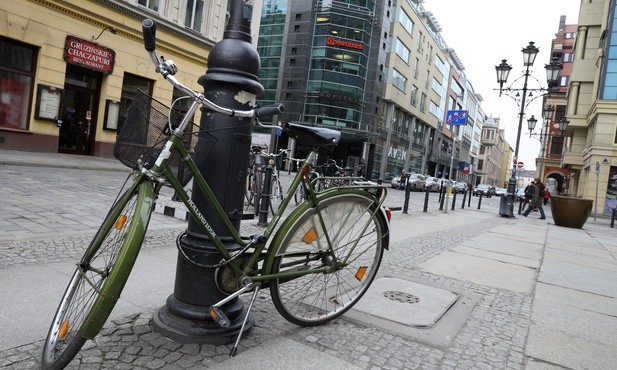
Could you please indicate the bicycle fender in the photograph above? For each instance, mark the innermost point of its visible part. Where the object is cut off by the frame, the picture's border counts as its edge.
(114, 284)
(275, 244)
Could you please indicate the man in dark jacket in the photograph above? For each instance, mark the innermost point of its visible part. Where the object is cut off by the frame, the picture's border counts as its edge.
(529, 190)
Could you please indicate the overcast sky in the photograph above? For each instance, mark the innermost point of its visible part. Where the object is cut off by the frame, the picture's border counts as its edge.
(483, 32)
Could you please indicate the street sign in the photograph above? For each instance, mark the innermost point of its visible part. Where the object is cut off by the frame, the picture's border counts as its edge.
(456, 117)
(520, 164)
(597, 167)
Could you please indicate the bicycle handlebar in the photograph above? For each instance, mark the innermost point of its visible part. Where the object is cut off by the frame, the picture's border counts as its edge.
(167, 68)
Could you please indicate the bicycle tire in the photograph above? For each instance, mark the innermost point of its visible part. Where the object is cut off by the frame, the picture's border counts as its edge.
(99, 278)
(276, 193)
(299, 194)
(357, 231)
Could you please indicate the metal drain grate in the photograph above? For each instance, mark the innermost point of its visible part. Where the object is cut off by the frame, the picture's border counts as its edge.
(401, 297)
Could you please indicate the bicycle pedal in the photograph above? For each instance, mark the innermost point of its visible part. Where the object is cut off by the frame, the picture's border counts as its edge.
(219, 317)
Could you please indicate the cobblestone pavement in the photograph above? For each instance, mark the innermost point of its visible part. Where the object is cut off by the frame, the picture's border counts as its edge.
(492, 337)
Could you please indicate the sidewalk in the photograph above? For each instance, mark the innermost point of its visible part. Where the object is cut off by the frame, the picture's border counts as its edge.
(463, 289)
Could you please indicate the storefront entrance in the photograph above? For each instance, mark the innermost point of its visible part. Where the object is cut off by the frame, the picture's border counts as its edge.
(80, 109)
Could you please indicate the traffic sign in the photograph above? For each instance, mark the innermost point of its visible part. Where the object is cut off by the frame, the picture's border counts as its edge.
(520, 164)
(456, 117)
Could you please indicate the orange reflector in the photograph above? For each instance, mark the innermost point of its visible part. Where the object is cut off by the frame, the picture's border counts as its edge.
(213, 314)
(120, 222)
(310, 236)
(64, 329)
(360, 273)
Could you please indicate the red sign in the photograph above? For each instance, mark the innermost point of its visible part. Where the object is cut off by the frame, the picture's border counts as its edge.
(331, 41)
(520, 164)
(89, 55)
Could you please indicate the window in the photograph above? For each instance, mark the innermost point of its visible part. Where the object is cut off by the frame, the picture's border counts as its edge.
(568, 57)
(414, 95)
(154, 5)
(297, 28)
(423, 102)
(405, 21)
(570, 35)
(401, 50)
(398, 80)
(292, 62)
(17, 65)
(298, 16)
(194, 14)
(130, 85)
(290, 84)
(294, 51)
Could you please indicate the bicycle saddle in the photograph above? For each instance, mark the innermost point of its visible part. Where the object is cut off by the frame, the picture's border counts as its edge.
(311, 135)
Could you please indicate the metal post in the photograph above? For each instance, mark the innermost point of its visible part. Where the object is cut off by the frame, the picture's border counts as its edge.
(479, 200)
(613, 217)
(454, 198)
(470, 194)
(407, 193)
(464, 199)
(425, 209)
(264, 205)
(443, 189)
(233, 70)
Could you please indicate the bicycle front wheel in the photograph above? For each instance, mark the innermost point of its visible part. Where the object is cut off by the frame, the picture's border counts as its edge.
(358, 235)
(99, 278)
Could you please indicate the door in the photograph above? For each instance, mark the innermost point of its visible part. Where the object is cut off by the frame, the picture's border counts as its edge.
(80, 109)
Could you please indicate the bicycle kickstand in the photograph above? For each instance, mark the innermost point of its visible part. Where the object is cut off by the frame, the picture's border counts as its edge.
(234, 349)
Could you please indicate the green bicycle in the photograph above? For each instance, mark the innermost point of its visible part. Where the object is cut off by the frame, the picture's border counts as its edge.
(317, 262)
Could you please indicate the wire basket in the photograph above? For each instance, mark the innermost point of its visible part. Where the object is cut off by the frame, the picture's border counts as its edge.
(145, 131)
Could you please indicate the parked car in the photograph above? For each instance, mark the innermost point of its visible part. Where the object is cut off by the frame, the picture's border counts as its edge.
(416, 182)
(500, 191)
(460, 186)
(432, 183)
(482, 189)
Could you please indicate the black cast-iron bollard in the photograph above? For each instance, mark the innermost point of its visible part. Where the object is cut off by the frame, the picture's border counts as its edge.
(407, 193)
(266, 196)
(464, 200)
(520, 206)
(469, 199)
(454, 198)
(231, 81)
(425, 209)
(443, 197)
(479, 200)
(613, 218)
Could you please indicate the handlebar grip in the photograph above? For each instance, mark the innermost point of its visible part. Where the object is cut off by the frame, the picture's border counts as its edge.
(270, 110)
(148, 28)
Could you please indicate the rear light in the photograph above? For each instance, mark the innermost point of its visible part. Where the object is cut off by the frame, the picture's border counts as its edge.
(389, 214)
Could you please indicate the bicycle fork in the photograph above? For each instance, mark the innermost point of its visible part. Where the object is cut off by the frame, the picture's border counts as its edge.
(220, 318)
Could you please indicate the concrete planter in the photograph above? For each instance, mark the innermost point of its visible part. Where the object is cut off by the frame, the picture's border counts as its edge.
(570, 211)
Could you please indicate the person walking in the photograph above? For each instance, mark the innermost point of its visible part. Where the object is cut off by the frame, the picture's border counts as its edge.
(538, 199)
(529, 191)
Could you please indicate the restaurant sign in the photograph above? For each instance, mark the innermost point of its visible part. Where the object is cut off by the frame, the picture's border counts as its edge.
(89, 55)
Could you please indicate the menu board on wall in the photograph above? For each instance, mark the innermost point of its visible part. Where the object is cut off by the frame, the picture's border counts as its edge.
(48, 103)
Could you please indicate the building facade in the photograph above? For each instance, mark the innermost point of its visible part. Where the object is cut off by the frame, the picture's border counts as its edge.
(591, 152)
(69, 70)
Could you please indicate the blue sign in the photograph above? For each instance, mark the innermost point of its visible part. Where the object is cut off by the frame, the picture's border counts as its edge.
(456, 117)
(279, 132)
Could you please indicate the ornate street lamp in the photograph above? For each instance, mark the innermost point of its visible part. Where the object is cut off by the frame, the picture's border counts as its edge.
(503, 70)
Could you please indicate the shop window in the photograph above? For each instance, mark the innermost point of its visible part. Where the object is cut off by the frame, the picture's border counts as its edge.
(130, 85)
(17, 65)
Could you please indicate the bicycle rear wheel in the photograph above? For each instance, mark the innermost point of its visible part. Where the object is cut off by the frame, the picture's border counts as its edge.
(99, 278)
(358, 234)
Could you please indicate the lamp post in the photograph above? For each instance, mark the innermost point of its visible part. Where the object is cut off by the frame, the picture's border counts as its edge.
(503, 70)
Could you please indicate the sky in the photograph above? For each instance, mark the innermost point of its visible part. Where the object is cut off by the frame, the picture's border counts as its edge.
(483, 32)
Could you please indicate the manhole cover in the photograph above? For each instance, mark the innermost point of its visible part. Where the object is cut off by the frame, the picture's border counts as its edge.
(401, 297)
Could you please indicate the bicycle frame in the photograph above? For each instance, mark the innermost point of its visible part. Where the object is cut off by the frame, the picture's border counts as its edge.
(161, 169)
